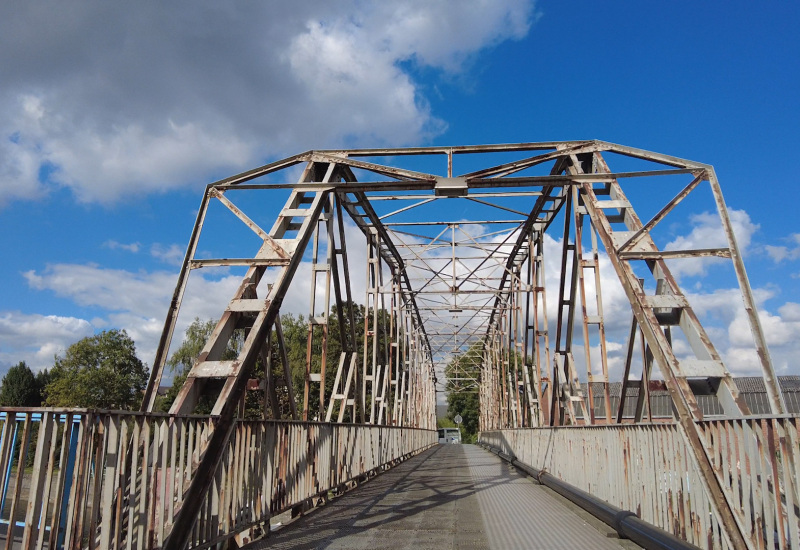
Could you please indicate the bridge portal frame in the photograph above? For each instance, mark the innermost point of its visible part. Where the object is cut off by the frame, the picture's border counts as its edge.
(580, 186)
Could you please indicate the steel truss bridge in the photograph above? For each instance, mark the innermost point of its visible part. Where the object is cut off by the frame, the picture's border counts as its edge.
(522, 272)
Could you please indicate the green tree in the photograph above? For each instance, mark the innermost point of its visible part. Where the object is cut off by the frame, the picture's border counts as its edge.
(43, 377)
(194, 340)
(100, 371)
(445, 423)
(297, 339)
(295, 331)
(20, 387)
(295, 334)
(468, 406)
(462, 396)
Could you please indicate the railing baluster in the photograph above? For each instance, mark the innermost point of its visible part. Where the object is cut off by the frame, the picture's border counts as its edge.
(646, 468)
(115, 479)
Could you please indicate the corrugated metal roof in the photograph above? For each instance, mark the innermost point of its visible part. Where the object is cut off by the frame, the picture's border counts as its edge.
(746, 384)
(751, 387)
(615, 388)
(756, 383)
(789, 383)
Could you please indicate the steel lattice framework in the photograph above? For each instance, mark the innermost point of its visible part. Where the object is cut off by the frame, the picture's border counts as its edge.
(456, 291)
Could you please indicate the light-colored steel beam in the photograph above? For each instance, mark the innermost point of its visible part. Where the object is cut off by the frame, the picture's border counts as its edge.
(466, 299)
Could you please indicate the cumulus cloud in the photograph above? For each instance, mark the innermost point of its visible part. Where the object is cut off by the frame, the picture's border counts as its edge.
(790, 311)
(118, 99)
(172, 254)
(706, 232)
(780, 253)
(721, 310)
(36, 339)
(114, 289)
(137, 301)
(782, 333)
(134, 301)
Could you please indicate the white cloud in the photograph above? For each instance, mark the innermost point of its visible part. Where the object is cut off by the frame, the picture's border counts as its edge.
(138, 301)
(36, 339)
(790, 311)
(134, 301)
(113, 289)
(777, 253)
(114, 245)
(19, 169)
(723, 316)
(172, 254)
(706, 232)
(128, 98)
(780, 253)
(783, 339)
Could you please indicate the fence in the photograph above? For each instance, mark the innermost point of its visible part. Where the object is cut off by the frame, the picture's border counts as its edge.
(91, 479)
(648, 469)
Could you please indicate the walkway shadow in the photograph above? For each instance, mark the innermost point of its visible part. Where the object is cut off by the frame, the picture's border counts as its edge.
(433, 493)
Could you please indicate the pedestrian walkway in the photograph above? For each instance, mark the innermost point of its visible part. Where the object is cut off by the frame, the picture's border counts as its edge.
(449, 497)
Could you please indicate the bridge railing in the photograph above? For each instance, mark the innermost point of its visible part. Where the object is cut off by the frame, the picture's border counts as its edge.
(108, 479)
(649, 469)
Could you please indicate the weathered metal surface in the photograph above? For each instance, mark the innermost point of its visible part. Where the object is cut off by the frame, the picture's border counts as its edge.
(458, 304)
(770, 381)
(115, 480)
(648, 468)
(452, 497)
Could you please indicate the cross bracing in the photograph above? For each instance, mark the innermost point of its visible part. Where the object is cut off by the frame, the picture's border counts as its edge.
(449, 250)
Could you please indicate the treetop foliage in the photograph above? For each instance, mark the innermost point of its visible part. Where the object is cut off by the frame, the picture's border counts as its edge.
(100, 371)
(465, 402)
(21, 388)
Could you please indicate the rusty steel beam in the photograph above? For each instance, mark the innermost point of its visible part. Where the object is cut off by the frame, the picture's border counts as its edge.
(456, 298)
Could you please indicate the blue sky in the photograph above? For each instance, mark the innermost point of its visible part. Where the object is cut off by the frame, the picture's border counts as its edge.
(113, 119)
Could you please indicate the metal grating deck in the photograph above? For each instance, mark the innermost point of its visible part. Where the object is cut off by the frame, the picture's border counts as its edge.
(449, 497)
